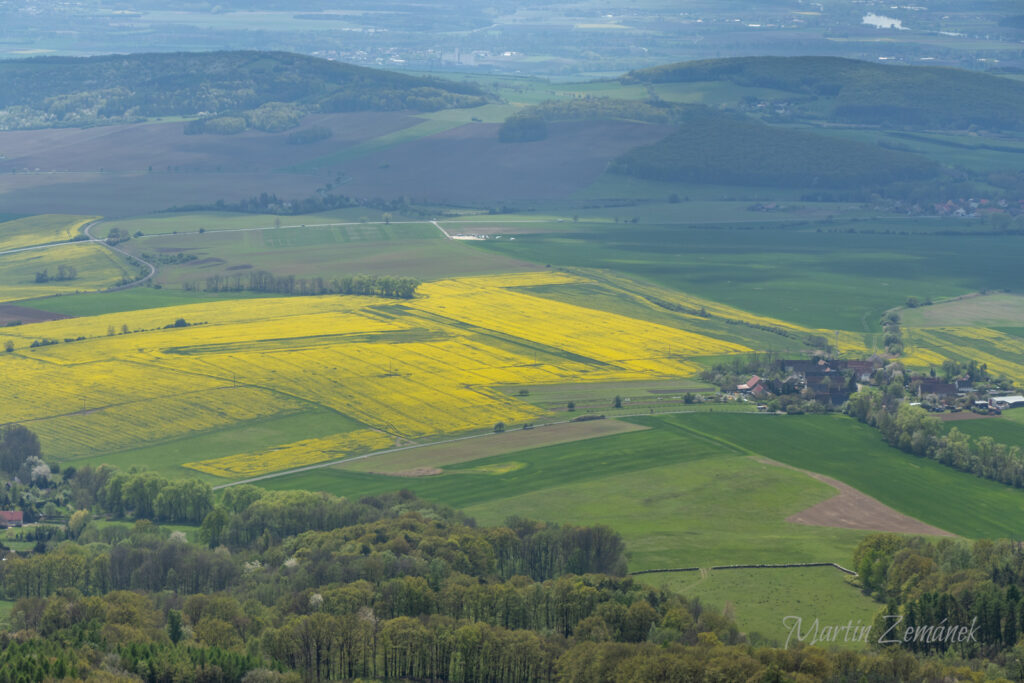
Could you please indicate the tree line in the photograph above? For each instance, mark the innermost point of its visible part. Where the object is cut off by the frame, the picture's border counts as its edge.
(269, 203)
(913, 430)
(386, 286)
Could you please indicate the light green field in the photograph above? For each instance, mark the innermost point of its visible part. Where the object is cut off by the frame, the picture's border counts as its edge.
(42, 229)
(185, 222)
(413, 250)
(10, 538)
(991, 310)
(97, 268)
(257, 435)
(759, 599)
(6, 606)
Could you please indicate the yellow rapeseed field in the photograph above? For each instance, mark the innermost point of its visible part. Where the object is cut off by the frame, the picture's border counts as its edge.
(405, 369)
(298, 454)
(1003, 353)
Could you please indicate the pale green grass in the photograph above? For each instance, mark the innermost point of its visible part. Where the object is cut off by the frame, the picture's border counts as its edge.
(759, 599)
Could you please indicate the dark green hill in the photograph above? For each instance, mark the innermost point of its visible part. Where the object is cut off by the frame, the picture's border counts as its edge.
(865, 92)
(729, 150)
(70, 91)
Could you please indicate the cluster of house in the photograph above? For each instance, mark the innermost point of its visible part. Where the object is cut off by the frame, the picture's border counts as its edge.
(824, 378)
(978, 207)
(828, 381)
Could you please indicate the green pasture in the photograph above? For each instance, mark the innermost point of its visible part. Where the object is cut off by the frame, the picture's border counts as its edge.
(759, 599)
(832, 279)
(244, 437)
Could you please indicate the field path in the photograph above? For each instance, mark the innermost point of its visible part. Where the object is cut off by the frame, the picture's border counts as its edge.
(851, 509)
(130, 257)
(443, 231)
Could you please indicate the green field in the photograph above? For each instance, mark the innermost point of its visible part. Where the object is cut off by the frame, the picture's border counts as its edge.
(257, 435)
(842, 448)
(403, 249)
(134, 299)
(1007, 429)
(831, 279)
(665, 489)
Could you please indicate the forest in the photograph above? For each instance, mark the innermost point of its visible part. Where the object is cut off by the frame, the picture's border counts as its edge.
(864, 92)
(263, 90)
(727, 150)
(300, 586)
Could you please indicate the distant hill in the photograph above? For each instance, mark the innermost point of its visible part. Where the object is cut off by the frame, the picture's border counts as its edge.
(865, 92)
(270, 90)
(729, 150)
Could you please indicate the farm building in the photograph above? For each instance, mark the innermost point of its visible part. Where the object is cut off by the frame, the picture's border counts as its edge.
(1004, 402)
(935, 386)
(755, 385)
(11, 518)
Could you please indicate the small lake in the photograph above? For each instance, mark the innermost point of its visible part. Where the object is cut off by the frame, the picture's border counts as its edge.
(879, 21)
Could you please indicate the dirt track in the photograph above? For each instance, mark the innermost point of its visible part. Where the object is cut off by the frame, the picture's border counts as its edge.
(851, 509)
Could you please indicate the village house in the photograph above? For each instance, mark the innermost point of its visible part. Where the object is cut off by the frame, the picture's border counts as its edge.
(9, 518)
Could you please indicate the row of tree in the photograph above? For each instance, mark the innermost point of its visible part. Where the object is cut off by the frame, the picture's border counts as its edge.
(387, 286)
(913, 430)
(64, 273)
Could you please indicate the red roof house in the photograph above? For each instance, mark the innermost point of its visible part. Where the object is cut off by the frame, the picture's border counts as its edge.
(11, 518)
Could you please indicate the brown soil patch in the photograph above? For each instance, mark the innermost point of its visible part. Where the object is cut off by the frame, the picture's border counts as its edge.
(966, 415)
(464, 450)
(212, 261)
(244, 266)
(851, 509)
(415, 472)
(26, 316)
